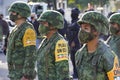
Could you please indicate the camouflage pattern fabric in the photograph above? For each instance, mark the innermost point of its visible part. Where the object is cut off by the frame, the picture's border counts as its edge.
(20, 7)
(115, 18)
(50, 68)
(96, 19)
(114, 40)
(85, 63)
(21, 57)
(53, 17)
(114, 43)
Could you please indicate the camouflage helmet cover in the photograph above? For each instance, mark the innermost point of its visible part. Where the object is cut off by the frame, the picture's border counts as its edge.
(99, 21)
(115, 18)
(53, 17)
(21, 8)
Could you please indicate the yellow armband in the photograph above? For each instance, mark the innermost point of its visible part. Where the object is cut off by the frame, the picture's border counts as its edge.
(29, 37)
(114, 74)
(61, 51)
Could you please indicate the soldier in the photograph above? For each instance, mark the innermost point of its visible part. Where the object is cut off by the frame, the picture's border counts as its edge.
(52, 61)
(114, 39)
(95, 60)
(21, 44)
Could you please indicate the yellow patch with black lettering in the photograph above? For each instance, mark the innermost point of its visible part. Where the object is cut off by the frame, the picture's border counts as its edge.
(61, 51)
(29, 37)
(114, 74)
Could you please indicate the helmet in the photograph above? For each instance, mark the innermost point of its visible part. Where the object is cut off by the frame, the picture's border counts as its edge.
(53, 17)
(115, 18)
(21, 8)
(96, 19)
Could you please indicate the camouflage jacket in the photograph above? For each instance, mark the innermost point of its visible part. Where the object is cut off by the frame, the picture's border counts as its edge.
(52, 61)
(114, 43)
(21, 51)
(98, 65)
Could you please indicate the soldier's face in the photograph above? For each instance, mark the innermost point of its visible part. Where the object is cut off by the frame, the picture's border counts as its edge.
(114, 28)
(44, 23)
(115, 25)
(86, 27)
(86, 33)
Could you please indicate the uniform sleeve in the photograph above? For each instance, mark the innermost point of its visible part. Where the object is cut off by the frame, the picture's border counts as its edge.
(111, 66)
(29, 42)
(61, 60)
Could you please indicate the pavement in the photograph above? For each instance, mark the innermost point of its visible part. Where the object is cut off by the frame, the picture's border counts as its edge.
(4, 68)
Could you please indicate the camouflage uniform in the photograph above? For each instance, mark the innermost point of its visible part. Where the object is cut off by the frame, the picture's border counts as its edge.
(96, 65)
(21, 49)
(102, 63)
(52, 61)
(114, 39)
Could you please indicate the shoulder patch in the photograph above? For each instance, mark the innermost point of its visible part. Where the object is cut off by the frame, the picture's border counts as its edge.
(114, 74)
(61, 51)
(29, 37)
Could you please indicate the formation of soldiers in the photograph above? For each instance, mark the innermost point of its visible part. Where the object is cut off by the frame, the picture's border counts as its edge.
(95, 60)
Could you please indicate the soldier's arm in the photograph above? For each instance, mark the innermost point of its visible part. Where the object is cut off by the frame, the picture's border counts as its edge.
(111, 66)
(29, 42)
(61, 60)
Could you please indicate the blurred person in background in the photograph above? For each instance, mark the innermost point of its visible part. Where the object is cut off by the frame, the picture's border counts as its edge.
(90, 7)
(35, 23)
(74, 44)
(4, 32)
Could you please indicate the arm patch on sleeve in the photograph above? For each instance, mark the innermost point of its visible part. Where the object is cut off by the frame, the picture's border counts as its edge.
(61, 51)
(29, 37)
(114, 74)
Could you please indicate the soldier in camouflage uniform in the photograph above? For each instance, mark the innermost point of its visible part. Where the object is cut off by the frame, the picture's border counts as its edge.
(95, 60)
(114, 39)
(21, 44)
(52, 61)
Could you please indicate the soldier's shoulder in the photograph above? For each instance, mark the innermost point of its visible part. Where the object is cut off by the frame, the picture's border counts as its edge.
(81, 50)
(106, 51)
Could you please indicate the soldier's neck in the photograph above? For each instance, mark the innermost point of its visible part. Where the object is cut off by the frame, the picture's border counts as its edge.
(92, 45)
(50, 34)
(19, 22)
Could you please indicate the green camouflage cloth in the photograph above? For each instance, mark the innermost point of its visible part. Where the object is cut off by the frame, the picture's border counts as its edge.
(20, 7)
(94, 66)
(114, 40)
(1, 33)
(115, 18)
(20, 58)
(53, 17)
(114, 43)
(50, 68)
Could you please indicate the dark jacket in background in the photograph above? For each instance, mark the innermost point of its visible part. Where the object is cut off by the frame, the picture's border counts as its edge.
(35, 25)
